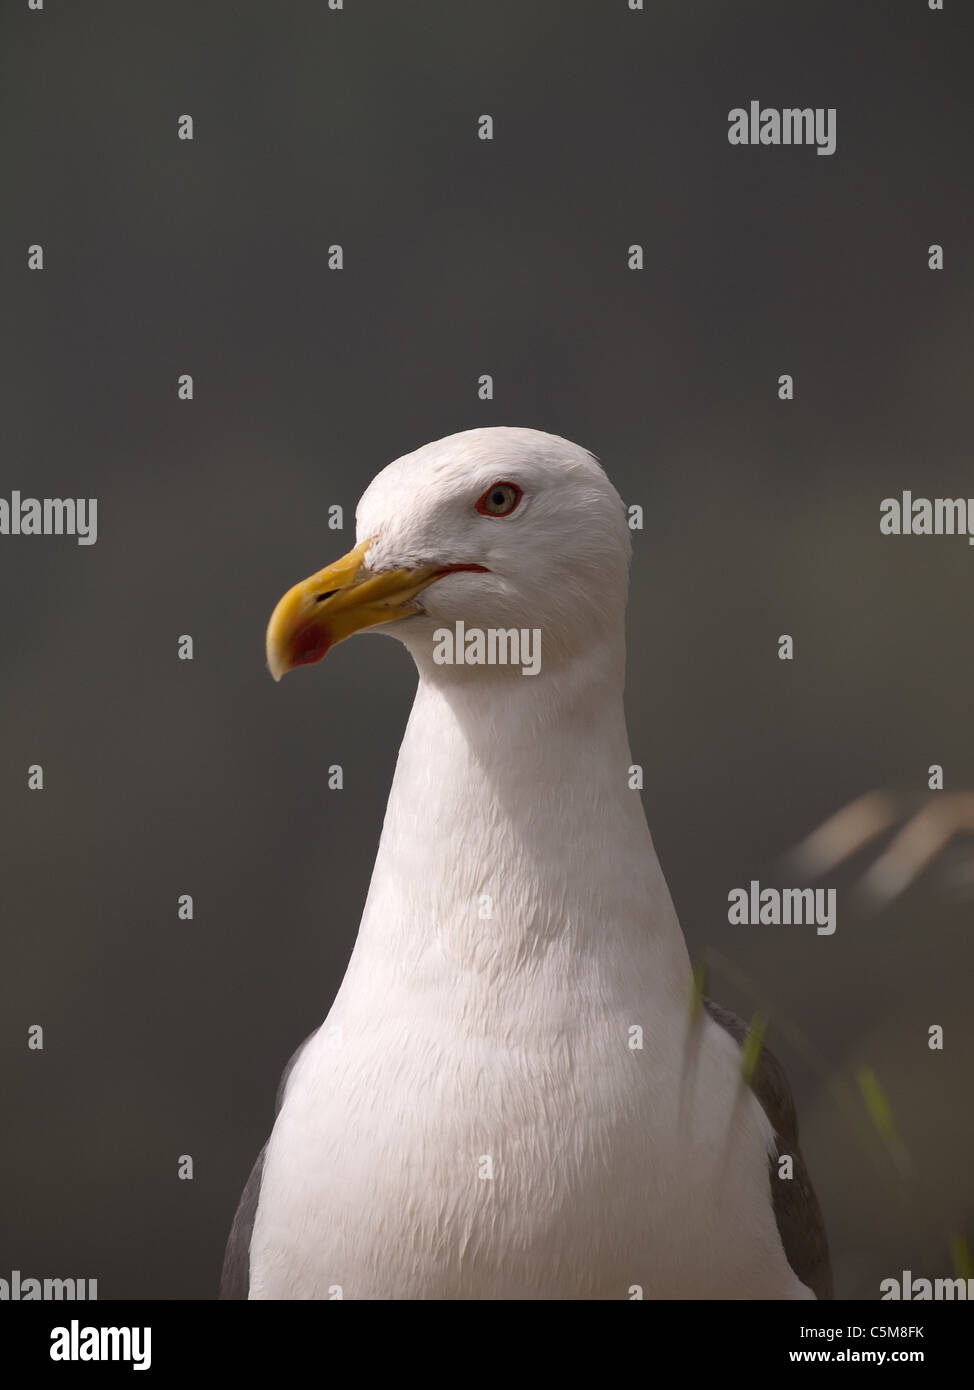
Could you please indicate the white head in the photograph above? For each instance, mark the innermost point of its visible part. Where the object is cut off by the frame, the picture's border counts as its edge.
(499, 528)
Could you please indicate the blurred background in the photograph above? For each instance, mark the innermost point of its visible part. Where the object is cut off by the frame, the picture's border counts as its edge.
(163, 777)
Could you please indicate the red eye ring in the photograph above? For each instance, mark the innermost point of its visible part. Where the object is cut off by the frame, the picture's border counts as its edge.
(500, 499)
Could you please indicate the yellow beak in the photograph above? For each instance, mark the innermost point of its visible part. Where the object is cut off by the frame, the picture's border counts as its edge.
(344, 598)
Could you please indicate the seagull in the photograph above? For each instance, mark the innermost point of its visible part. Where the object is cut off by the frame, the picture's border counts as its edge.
(512, 1096)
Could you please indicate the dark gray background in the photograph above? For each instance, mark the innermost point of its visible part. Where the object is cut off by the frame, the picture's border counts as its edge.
(165, 777)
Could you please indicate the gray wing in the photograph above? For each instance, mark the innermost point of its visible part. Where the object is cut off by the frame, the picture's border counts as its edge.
(235, 1279)
(796, 1207)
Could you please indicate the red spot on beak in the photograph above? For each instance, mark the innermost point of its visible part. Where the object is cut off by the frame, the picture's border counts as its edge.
(310, 645)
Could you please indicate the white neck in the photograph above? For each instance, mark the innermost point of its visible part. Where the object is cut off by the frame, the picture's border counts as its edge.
(512, 841)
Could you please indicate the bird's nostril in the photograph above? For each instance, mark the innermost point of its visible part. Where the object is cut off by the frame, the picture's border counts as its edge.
(319, 598)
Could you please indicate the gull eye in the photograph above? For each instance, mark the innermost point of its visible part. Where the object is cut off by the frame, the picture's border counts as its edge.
(500, 499)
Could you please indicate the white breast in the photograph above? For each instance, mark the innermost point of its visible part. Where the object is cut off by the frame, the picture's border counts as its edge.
(411, 1165)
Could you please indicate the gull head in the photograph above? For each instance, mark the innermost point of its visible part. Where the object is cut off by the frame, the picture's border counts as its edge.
(497, 529)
